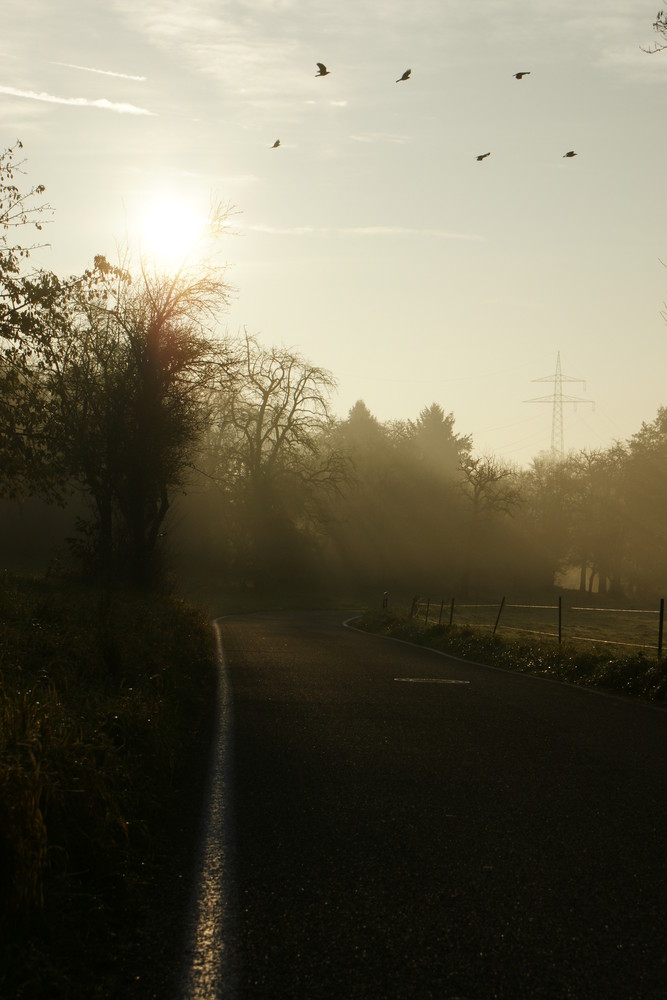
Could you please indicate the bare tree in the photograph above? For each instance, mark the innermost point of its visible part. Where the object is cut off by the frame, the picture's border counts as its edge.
(659, 25)
(490, 486)
(271, 449)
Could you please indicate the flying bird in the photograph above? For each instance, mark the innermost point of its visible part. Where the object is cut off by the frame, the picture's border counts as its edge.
(323, 71)
(569, 154)
(406, 76)
(483, 156)
(276, 144)
(520, 76)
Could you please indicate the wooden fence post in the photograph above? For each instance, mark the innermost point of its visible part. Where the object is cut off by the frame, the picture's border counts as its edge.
(660, 625)
(560, 619)
(442, 604)
(451, 612)
(428, 605)
(500, 611)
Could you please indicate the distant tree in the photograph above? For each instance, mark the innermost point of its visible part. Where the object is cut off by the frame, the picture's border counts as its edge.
(490, 486)
(492, 492)
(432, 435)
(270, 450)
(660, 26)
(597, 518)
(645, 487)
(547, 489)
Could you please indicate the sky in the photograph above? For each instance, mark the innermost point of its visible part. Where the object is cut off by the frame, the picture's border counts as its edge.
(371, 240)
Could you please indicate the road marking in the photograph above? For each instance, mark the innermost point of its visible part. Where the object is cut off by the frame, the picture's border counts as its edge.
(428, 680)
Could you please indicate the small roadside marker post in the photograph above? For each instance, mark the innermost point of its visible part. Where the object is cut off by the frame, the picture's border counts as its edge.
(660, 626)
(500, 611)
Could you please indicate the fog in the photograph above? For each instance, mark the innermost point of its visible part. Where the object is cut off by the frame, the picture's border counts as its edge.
(357, 506)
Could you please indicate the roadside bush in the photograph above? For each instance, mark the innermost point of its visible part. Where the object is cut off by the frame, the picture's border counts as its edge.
(636, 675)
(104, 697)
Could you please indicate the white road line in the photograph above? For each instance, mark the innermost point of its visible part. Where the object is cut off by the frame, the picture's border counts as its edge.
(428, 680)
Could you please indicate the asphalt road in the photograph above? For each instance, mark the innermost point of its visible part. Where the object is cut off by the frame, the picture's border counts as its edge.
(408, 825)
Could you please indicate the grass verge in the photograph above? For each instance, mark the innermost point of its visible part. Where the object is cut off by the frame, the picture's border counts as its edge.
(106, 703)
(636, 675)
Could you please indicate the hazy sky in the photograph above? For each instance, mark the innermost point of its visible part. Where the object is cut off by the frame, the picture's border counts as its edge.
(372, 240)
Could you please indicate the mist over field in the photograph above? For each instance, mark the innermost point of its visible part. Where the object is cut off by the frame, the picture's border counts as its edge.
(280, 497)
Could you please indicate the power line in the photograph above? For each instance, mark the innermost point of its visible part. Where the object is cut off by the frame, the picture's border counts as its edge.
(557, 399)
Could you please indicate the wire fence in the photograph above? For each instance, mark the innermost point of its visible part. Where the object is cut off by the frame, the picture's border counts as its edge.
(624, 627)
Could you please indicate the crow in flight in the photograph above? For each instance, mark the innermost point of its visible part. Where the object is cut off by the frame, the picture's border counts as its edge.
(406, 76)
(520, 76)
(483, 156)
(571, 153)
(323, 71)
(276, 144)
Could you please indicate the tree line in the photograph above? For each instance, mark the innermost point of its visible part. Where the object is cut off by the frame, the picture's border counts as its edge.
(122, 397)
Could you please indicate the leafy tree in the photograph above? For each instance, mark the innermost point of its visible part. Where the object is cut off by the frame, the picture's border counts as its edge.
(111, 375)
(645, 486)
(432, 435)
(547, 491)
(129, 384)
(597, 517)
(22, 465)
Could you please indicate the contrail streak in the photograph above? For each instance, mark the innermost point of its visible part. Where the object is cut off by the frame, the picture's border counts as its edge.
(103, 72)
(78, 102)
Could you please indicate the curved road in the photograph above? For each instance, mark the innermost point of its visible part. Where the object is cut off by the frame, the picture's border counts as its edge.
(392, 822)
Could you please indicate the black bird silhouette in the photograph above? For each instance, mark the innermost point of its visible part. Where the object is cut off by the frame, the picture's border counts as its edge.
(406, 76)
(276, 144)
(571, 153)
(483, 156)
(323, 71)
(520, 76)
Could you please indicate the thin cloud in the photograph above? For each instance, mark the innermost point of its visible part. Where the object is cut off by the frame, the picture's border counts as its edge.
(361, 231)
(379, 137)
(406, 231)
(288, 230)
(102, 72)
(77, 102)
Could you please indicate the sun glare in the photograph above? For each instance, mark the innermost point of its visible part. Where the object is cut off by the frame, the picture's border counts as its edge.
(169, 231)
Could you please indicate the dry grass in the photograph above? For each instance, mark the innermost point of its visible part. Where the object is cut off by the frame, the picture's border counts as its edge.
(103, 696)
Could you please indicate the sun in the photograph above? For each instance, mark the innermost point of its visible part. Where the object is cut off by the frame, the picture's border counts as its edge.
(169, 230)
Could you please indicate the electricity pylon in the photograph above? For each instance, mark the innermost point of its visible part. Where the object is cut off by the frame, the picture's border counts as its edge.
(557, 399)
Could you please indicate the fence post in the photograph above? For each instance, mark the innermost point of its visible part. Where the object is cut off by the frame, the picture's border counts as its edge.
(442, 604)
(662, 619)
(428, 605)
(500, 611)
(451, 613)
(414, 605)
(560, 619)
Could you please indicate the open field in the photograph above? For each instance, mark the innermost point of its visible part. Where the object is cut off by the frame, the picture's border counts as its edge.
(573, 618)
